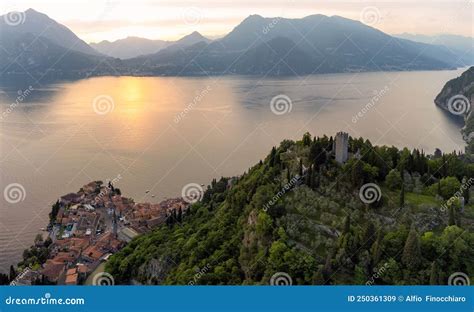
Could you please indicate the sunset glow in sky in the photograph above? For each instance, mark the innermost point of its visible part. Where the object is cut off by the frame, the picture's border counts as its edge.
(96, 20)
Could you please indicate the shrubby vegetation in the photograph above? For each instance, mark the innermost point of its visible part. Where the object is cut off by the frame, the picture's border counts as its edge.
(318, 230)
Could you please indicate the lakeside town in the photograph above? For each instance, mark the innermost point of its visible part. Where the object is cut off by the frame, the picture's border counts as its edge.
(85, 229)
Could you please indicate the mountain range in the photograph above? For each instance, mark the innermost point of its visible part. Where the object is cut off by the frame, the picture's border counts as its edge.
(41, 47)
(131, 47)
(460, 45)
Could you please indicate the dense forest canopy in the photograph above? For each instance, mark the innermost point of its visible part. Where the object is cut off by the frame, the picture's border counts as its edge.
(302, 214)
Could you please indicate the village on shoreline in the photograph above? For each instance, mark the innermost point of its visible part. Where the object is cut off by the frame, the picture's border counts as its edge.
(85, 229)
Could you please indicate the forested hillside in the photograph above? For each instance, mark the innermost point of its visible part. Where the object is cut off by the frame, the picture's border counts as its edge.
(386, 216)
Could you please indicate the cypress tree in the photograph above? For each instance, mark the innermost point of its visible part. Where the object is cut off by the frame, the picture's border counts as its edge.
(377, 249)
(402, 196)
(347, 224)
(452, 217)
(300, 170)
(411, 256)
(12, 273)
(434, 274)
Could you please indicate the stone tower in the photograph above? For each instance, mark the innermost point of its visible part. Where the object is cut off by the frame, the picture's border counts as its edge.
(341, 147)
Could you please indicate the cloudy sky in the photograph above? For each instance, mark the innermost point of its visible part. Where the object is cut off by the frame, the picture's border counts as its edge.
(96, 20)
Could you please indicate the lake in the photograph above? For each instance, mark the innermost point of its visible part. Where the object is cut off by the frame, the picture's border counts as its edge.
(159, 134)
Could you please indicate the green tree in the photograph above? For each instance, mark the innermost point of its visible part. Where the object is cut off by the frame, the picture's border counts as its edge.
(411, 256)
(393, 179)
(434, 273)
(452, 216)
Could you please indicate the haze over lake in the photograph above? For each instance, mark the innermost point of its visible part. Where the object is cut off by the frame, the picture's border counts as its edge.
(160, 134)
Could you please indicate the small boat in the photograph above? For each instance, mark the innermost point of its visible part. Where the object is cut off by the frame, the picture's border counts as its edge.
(202, 184)
(147, 191)
(153, 196)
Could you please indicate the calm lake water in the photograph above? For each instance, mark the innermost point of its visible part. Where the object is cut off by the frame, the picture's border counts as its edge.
(160, 134)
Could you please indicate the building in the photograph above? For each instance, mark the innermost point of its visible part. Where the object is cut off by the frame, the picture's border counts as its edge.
(341, 147)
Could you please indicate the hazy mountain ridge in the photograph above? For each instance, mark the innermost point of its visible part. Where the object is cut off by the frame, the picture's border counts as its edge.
(461, 45)
(257, 46)
(323, 44)
(40, 24)
(132, 47)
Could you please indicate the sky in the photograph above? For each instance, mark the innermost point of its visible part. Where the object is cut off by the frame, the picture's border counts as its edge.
(97, 20)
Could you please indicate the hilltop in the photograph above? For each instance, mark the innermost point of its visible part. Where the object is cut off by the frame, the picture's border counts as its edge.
(383, 216)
